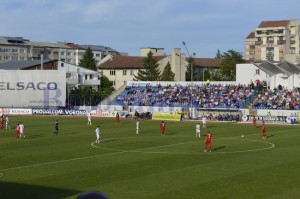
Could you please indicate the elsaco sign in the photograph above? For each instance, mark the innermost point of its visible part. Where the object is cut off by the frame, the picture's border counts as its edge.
(19, 88)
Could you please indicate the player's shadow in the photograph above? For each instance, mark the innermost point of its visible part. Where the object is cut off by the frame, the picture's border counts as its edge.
(218, 148)
(109, 140)
(145, 132)
(171, 133)
(34, 136)
(270, 136)
(69, 133)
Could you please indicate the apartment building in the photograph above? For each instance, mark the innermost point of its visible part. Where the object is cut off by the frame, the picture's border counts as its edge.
(20, 49)
(273, 41)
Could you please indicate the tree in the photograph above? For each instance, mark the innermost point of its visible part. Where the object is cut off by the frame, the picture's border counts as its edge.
(214, 74)
(86, 95)
(218, 54)
(106, 86)
(191, 64)
(228, 64)
(150, 71)
(167, 74)
(88, 60)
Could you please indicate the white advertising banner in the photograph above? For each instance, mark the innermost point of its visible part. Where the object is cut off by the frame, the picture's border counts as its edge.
(32, 88)
(15, 111)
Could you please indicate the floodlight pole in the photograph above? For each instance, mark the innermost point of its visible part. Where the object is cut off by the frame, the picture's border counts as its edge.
(192, 65)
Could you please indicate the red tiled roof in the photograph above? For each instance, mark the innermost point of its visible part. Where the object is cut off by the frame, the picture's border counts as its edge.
(126, 62)
(71, 45)
(207, 62)
(251, 35)
(267, 24)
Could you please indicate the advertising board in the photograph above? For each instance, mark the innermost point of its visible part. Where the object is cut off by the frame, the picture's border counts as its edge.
(32, 88)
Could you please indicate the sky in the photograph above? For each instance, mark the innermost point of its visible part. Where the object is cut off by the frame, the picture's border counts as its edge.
(128, 25)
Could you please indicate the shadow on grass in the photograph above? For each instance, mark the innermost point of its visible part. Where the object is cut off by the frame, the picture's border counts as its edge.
(10, 190)
(270, 136)
(34, 136)
(218, 148)
(69, 133)
(109, 140)
(171, 133)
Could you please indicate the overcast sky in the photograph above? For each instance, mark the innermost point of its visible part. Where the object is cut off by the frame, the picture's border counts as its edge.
(128, 25)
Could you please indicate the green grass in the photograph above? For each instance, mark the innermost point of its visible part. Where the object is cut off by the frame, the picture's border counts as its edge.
(125, 165)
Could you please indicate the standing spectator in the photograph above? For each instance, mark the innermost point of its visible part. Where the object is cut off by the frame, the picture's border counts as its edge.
(264, 130)
(198, 130)
(208, 142)
(21, 126)
(162, 128)
(117, 118)
(7, 122)
(89, 119)
(204, 121)
(56, 127)
(269, 116)
(98, 132)
(254, 121)
(137, 126)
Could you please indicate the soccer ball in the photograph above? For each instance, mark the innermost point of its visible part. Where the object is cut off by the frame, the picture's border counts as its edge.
(242, 136)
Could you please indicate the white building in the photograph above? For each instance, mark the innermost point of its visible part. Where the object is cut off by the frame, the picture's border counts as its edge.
(284, 73)
(77, 76)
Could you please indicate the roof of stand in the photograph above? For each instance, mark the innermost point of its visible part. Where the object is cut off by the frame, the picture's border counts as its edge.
(269, 68)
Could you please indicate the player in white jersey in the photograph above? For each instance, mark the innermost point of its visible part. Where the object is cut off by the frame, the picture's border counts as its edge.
(7, 123)
(89, 119)
(21, 125)
(204, 121)
(198, 129)
(98, 132)
(137, 126)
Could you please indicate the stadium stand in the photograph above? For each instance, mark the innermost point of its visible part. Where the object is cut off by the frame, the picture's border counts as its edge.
(199, 96)
(278, 99)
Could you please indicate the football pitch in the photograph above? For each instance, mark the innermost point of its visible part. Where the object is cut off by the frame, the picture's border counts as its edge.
(148, 166)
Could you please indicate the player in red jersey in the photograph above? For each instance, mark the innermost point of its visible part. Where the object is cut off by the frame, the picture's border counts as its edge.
(117, 118)
(208, 142)
(264, 130)
(254, 121)
(162, 128)
(18, 131)
(2, 121)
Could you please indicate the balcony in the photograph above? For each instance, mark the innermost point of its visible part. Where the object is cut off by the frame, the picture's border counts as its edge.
(91, 82)
(280, 42)
(258, 42)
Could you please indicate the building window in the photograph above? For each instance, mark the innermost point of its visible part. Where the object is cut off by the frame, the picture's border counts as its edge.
(97, 55)
(124, 72)
(113, 83)
(91, 76)
(257, 71)
(131, 72)
(69, 53)
(112, 72)
(62, 53)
